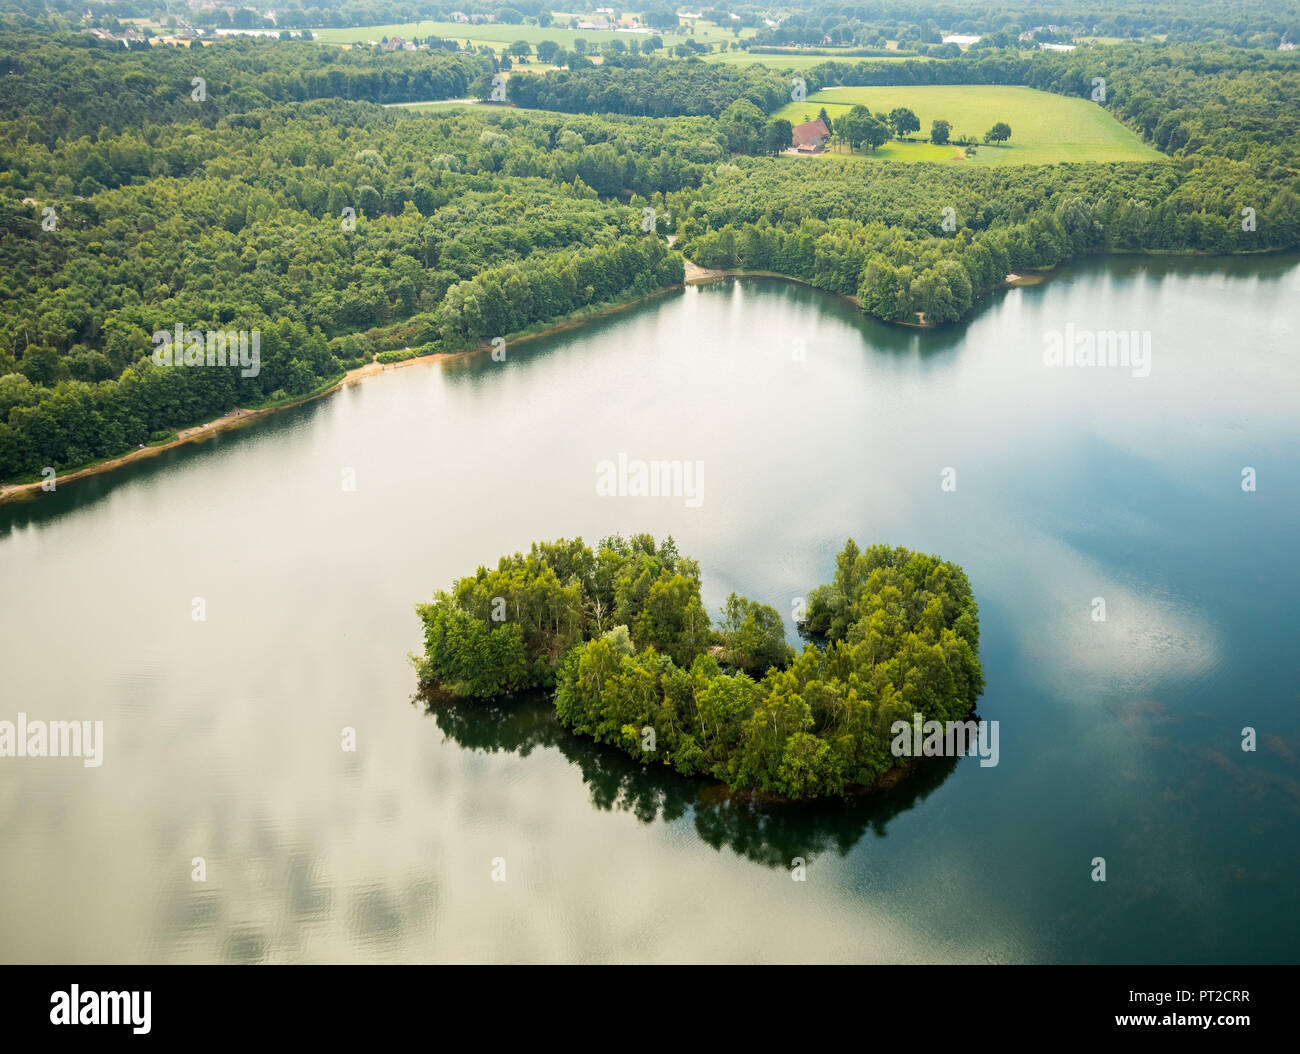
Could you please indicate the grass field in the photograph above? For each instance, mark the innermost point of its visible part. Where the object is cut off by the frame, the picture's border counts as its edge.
(1045, 128)
(799, 62)
(1153, 38)
(496, 35)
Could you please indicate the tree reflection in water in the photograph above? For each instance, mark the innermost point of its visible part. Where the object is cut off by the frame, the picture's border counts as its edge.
(767, 831)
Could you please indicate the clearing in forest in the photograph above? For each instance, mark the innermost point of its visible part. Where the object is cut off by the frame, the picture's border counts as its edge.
(1045, 128)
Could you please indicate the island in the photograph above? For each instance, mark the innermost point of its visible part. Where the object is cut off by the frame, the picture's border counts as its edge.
(621, 637)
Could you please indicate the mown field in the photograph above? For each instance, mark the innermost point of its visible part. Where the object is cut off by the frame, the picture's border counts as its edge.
(1045, 128)
(495, 35)
(800, 62)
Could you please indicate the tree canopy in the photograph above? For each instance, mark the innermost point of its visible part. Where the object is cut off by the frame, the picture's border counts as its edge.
(132, 201)
(621, 635)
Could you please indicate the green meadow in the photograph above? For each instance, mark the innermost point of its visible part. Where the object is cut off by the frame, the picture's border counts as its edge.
(799, 62)
(494, 35)
(1045, 128)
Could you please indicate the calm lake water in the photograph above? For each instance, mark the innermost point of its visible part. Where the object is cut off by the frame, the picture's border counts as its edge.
(1118, 739)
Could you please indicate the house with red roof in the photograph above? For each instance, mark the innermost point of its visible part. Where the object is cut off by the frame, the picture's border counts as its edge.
(811, 138)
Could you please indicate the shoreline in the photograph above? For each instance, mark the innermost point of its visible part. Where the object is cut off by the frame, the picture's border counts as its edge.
(694, 274)
(238, 418)
(697, 275)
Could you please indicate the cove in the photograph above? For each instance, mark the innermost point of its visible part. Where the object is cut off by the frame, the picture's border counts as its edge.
(1119, 739)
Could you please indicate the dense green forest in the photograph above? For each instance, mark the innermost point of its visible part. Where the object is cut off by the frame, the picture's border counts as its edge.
(649, 87)
(467, 226)
(74, 86)
(622, 635)
(341, 230)
(1231, 119)
(801, 221)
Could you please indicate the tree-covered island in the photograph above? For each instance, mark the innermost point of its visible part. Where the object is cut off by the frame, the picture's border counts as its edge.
(622, 637)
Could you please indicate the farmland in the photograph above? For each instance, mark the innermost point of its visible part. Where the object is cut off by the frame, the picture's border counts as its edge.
(1046, 128)
(795, 61)
(495, 34)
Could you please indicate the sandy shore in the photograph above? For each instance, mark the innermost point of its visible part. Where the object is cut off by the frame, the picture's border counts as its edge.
(696, 273)
(235, 418)
(239, 417)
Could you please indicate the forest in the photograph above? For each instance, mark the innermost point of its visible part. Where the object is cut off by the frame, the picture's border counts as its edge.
(342, 230)
(1231, 118)
(116, 89)
(466, 227)
(621, 635)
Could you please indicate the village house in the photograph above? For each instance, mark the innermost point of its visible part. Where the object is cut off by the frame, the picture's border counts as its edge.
(810, 138)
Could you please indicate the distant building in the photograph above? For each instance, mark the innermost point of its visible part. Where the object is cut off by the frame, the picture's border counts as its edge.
(393, 44)
(1032, 34)
(810, 138)
(962, 40)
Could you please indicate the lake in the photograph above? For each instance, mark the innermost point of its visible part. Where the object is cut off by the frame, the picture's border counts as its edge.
(1119, 739)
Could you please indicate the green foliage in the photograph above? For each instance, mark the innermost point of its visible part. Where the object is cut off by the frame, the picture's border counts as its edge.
(859, 127)
(620, 634)
(999, 133)
(471, 657)
(777, 135)
(882, 239)
(479, 222)
(902, 637)
(903, 121)
(629, 594)
(115, 89)
(630, 84)
(456, 240)
(753, 636)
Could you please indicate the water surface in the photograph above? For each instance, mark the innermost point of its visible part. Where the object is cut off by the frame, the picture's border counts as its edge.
(1118, 739)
